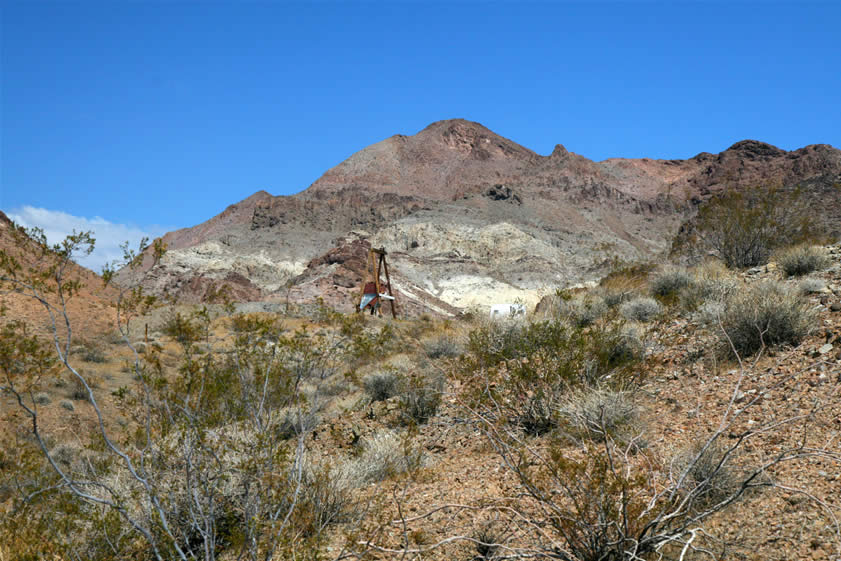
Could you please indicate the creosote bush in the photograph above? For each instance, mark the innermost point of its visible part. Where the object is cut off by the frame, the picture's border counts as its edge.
(801, 260)
(765, 314)
(744, 226)
(526, 370)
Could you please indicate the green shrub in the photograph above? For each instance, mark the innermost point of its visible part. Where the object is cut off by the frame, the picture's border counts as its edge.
(524, 380)
(382, 385)
(743, 226)
(42, 398)
(764, 314)
(801, 260)
(640, 309)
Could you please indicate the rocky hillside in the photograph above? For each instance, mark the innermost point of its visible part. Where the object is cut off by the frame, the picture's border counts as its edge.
(470, 218)
(90, 310)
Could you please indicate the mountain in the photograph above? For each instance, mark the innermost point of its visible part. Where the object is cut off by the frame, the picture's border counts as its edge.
(469, 218)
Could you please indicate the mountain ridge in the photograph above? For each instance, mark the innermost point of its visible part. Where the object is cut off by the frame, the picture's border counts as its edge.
(513, 222)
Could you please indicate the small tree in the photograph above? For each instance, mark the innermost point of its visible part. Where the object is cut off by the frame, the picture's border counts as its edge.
(744, 226)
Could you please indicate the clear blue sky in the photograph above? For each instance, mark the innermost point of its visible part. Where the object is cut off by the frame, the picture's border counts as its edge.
(163, 113)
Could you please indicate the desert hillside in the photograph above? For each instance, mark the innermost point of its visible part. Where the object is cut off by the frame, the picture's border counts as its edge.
(664, 413)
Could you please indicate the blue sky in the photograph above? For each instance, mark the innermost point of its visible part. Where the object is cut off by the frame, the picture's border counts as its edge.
(156, 115)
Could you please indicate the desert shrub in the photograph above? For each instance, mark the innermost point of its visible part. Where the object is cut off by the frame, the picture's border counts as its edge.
(77, 389)
(667, 284)
(811, 286)
(613, 297)
(801, 260)
(537, 415)
(296, 421)
(744, 226)
(709, 312)
(67, 404)
(327, 498)
(66, 455)
(384, 455)
(91, 353)
(487, 539)
(711, 283)
(625, 348)
(598, 412)
(444, 346)
(711, 473)
(630, 277)
(582, 310)
(764, 314)
(493, 341)
(525, 381)
(42, 398)
(420, 400)
(640, 309)
(382, 385)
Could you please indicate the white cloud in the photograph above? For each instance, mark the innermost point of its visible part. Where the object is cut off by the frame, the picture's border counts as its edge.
(57, 225)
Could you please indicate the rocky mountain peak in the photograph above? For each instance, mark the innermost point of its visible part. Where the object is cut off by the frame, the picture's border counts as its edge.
(756, 149)
(559, 151)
